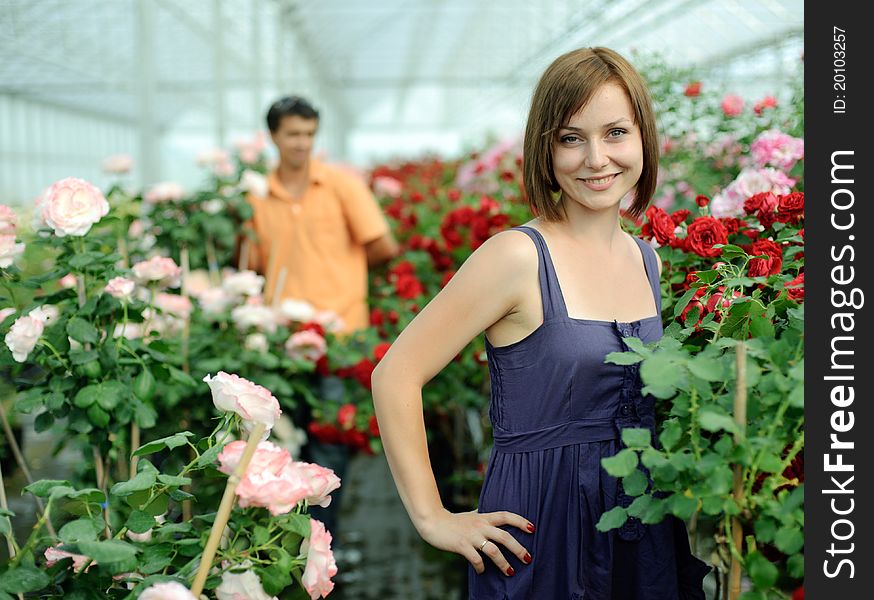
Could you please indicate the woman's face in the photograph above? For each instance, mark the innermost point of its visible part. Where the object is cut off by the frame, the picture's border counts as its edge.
(597, 156)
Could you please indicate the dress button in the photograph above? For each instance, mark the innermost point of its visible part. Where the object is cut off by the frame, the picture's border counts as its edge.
(625, 409)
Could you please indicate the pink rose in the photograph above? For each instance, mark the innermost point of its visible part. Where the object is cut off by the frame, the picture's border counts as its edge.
(261, 317)
(306, 345)
(72, 205)
(118, 164)
(169, 590)
(732, 105)
(730, 201)
(277, 493)
(387, 186)
(320, 565)
(249, 400)
(25, 333)
(68, 281)
(166, 191)
(120, 287)
(243, 283)
(8, 220)
(773, 148)
(139, 537)
(322, 480)
(196, 282)
(158, 269)
(214, 300)
(268, 458)
(328, 319)
(256, 342)
(253, 182)
(297, 310)
(5, 312)
(174, 304)
(53, 555)
(9, 249)
(241, 586)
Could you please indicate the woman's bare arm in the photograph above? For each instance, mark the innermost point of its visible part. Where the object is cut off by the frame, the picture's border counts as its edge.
(484, 290)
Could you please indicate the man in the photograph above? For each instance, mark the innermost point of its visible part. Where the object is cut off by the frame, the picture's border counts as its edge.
(320, 224)
(323, 228)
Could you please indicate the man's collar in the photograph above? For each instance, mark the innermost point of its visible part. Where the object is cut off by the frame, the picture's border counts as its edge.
(317, 175)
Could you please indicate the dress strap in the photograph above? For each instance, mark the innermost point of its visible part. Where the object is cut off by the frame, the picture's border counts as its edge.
(650, 259)
(550, 291)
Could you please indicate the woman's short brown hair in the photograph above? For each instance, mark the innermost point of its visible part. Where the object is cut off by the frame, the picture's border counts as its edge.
(565, 87)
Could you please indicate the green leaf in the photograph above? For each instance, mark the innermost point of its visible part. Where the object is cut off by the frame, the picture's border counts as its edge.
(762, 571)
(639, 506)
(613, 518)
(636, 437)
(635, 484)
(108, 551)
(140, 522)
(174, 480)
(683, 301)
(765, 529)
(622, 464)
(789, 539)
(672, 431)
(711, 420)
(43, 487)
(681, 506)
(720, 481)
(5, 525)
(43, 422)
(169, 442)
(98, 416)
(761, 326)
(111, 393)
(82, 331)
(143, 480)
(23, 579)
(155, 557)
(730, 251)
(210, 456)
(708, 369)
(79, 530)
(180, 376)
(623, 358)
(795, 566)
(299, 524)
(87, 395)
(771, 463)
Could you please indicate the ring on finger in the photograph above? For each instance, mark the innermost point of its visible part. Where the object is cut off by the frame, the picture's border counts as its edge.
(483, 545)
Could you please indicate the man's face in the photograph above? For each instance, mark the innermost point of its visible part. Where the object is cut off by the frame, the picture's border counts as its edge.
(294, 139)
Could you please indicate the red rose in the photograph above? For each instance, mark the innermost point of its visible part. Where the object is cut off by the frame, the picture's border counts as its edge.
(680, 216)
(376, 317)
(313, 326)
(693, 89)
(798, 594)
(703, 233)
(790, 207)
(325, 433)
(702, 200)
(380, 349)
(755, 202)
(404, 267)
(408, 287)
(322, 366)
(446, 277)
(346, 416)
(362, 371)
(661, 226)
(717, 300)
(795, 288)
(373, 426)
(732, 224)
(453, 195)
(694, 303)
(765, 266)
(416, 197)
(499, 220)
(392, 317)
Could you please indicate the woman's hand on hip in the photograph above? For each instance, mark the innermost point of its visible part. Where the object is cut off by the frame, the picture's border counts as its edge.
(477, 537)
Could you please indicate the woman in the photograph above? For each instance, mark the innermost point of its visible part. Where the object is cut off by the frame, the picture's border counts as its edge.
(554, 297)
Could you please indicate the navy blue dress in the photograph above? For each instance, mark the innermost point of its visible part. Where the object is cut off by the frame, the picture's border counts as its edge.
(556, 410)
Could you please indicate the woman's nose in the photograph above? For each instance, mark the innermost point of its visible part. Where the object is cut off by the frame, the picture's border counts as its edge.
(595, 157)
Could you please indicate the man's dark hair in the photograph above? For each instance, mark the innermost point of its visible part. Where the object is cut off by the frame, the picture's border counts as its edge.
(287, 107)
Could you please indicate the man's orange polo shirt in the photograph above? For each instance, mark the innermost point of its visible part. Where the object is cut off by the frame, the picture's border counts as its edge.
(319, 239)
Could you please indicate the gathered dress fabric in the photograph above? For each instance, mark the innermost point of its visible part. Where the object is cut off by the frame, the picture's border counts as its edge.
(556, 410)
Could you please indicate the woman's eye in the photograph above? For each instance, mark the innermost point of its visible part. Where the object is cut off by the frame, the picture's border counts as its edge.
(569, 139)
(616, 132)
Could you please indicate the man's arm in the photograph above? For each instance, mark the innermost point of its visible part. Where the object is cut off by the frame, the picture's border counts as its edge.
(381, 250)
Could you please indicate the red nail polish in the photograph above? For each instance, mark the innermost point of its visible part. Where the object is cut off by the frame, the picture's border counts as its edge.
(527, 559)
(510, 571)
(531, 527)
